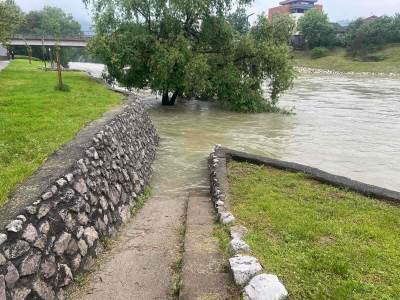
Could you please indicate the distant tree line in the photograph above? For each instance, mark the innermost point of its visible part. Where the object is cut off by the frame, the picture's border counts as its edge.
(50, 21)
(361, 38)
(369, 35)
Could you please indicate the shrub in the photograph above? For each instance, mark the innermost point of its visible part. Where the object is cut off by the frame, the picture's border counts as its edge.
(319, 52)
(373, 57)
(365, 36)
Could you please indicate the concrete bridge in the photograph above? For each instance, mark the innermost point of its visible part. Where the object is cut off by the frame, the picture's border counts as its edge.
(76, 41)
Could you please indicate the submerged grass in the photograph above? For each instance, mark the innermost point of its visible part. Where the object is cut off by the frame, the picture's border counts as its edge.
(338, 60)
(323, 242)
(36, 119)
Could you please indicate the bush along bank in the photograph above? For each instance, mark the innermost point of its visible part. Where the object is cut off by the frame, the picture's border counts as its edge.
(55, 237)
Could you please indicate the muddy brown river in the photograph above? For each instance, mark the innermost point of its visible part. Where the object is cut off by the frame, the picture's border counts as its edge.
(345, 125)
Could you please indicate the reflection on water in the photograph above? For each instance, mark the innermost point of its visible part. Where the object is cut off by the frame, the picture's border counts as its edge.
(345, 125)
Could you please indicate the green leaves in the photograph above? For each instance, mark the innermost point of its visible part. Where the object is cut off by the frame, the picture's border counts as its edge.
(368, 35)
(11, 17)
(317, 30)
(50, 21)
(195, 48)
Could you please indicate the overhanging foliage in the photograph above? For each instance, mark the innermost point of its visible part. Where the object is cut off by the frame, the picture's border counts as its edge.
(193, 48)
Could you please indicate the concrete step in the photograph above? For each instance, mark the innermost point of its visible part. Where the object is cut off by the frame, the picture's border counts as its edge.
(203, 274)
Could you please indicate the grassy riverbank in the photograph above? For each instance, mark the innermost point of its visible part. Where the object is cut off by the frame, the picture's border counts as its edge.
(323, 242)
(35, 119)
(337, 60)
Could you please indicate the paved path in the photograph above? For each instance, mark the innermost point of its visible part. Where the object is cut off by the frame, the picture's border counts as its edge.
(3, 64)
(203, 274)
(140, 264)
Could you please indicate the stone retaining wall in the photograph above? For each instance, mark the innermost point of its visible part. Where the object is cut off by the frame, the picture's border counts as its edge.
(54, 223)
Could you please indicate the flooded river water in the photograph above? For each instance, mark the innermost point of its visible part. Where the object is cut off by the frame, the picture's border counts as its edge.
(349, 126)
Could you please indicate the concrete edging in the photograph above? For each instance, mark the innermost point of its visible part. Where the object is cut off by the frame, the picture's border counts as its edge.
(322, 176)
(256, 285)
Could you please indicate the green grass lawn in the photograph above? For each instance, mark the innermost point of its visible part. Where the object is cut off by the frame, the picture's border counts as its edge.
(321, 241)
(337, 60)
(35, 119)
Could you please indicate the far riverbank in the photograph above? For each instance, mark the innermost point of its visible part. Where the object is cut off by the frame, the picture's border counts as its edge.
(337, 62)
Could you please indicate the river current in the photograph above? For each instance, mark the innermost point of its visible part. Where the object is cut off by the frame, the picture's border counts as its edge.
(346, 125)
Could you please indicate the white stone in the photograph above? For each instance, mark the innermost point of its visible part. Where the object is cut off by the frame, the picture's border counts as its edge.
(219, 203)
(79, 232)
(54, 189)
(91, 235)
(244, 268)
(238, 232)
(265, 287)
(44, 227)
(62, 243)
(80, 186)
(22, 218)
(61, 182)
(43, 210)
(47, 195)
(69, 177)
(32, 209)
(30, 233)
(3, 238)
(226, 218)
(14, 226)
(238, 246)
(82, 247)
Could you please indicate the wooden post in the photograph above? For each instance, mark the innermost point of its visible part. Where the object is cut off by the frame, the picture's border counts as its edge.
(30, 55)
(60, 82)
(44, 54)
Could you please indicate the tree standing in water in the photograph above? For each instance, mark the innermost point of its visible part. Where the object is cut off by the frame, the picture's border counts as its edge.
(192, 48)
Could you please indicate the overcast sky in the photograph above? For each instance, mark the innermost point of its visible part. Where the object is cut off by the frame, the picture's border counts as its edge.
(337, 9)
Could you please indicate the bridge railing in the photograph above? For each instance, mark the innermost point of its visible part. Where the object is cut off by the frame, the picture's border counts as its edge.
(84, 37)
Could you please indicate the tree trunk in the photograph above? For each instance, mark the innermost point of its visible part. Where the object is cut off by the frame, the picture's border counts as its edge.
(169, 101)
(60, 82)
(173, 98)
